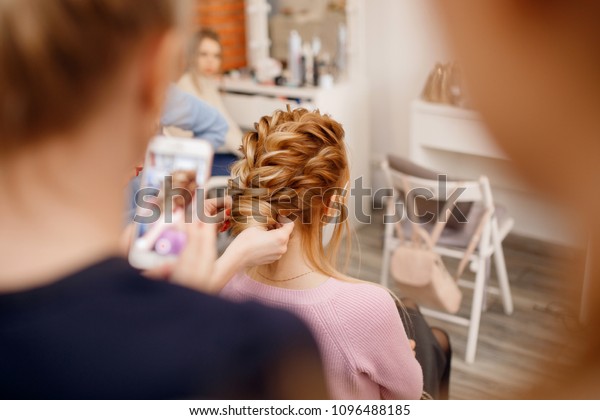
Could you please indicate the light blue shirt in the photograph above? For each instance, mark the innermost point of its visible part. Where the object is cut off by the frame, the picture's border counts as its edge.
(187, 112)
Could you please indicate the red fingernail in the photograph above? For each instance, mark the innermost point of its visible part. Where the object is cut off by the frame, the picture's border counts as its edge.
(228, 212)
(224, 227)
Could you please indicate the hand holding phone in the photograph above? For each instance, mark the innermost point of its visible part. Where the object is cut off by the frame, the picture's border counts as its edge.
(170, 201)
(195, 264)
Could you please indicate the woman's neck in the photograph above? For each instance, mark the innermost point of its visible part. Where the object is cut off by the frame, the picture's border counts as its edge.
(292, 271)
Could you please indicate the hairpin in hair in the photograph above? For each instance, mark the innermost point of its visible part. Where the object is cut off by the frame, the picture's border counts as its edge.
(286, 198)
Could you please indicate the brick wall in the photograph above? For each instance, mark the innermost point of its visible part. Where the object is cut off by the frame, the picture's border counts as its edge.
(228, 19)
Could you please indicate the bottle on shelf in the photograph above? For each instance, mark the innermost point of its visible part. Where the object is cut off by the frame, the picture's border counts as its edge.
(316, 51)
(340, 56)
(295, 59)
(308, 62)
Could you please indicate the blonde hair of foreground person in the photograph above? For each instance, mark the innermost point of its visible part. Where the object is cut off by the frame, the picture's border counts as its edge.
(44, 95)
(532, 69)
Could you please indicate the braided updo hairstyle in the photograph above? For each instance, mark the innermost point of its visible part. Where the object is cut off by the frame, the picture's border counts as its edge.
(294, 164)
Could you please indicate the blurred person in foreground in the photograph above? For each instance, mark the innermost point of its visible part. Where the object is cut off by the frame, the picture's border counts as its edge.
(82, 85)
(532, 70)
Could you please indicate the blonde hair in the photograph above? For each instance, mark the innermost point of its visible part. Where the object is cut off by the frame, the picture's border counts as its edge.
(295, 165)
(57, 55)
(194, 45)
(194, 53)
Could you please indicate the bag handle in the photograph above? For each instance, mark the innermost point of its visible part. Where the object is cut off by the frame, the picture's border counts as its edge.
(397, 227)
(441, 224)
(417, 231)
(390, 211)
(430, 239)
(473, 243)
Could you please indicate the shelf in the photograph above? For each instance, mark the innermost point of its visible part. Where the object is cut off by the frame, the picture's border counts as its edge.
(250, 87)
(444, 110)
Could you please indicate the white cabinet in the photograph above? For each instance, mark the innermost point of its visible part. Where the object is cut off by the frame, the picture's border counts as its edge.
(445, 127)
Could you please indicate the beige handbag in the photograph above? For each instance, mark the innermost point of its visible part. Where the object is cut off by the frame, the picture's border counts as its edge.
(444, 86)
(420, 272)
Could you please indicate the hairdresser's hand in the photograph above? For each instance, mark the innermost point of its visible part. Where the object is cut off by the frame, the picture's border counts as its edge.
(413, 346)
(218, 211)
(252, 247)
(216, 206)
(257, 246)
(195, 265)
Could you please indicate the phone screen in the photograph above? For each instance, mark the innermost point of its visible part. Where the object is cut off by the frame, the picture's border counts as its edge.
(168, 198)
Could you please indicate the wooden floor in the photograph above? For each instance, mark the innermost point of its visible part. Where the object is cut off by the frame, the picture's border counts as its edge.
(532, 345)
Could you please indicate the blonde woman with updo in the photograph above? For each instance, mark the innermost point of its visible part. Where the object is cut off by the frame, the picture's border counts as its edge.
(202, 80)
(295, 165)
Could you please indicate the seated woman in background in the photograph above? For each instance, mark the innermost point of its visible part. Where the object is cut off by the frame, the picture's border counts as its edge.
(295, 165)
(201, 80)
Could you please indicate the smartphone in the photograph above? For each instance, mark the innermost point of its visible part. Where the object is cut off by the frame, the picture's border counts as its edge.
(172, 189)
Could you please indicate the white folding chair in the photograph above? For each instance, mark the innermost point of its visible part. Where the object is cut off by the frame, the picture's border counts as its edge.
(453, 244)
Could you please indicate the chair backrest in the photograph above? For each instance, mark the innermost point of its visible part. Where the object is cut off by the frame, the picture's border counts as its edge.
(471, 191)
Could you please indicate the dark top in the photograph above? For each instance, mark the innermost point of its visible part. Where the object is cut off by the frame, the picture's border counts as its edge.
(106, 332)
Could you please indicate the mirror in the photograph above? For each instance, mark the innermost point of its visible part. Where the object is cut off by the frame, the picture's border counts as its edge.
(338, 26)
(312, 19)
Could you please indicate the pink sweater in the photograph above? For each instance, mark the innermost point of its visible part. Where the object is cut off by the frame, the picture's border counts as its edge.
(366, 354)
